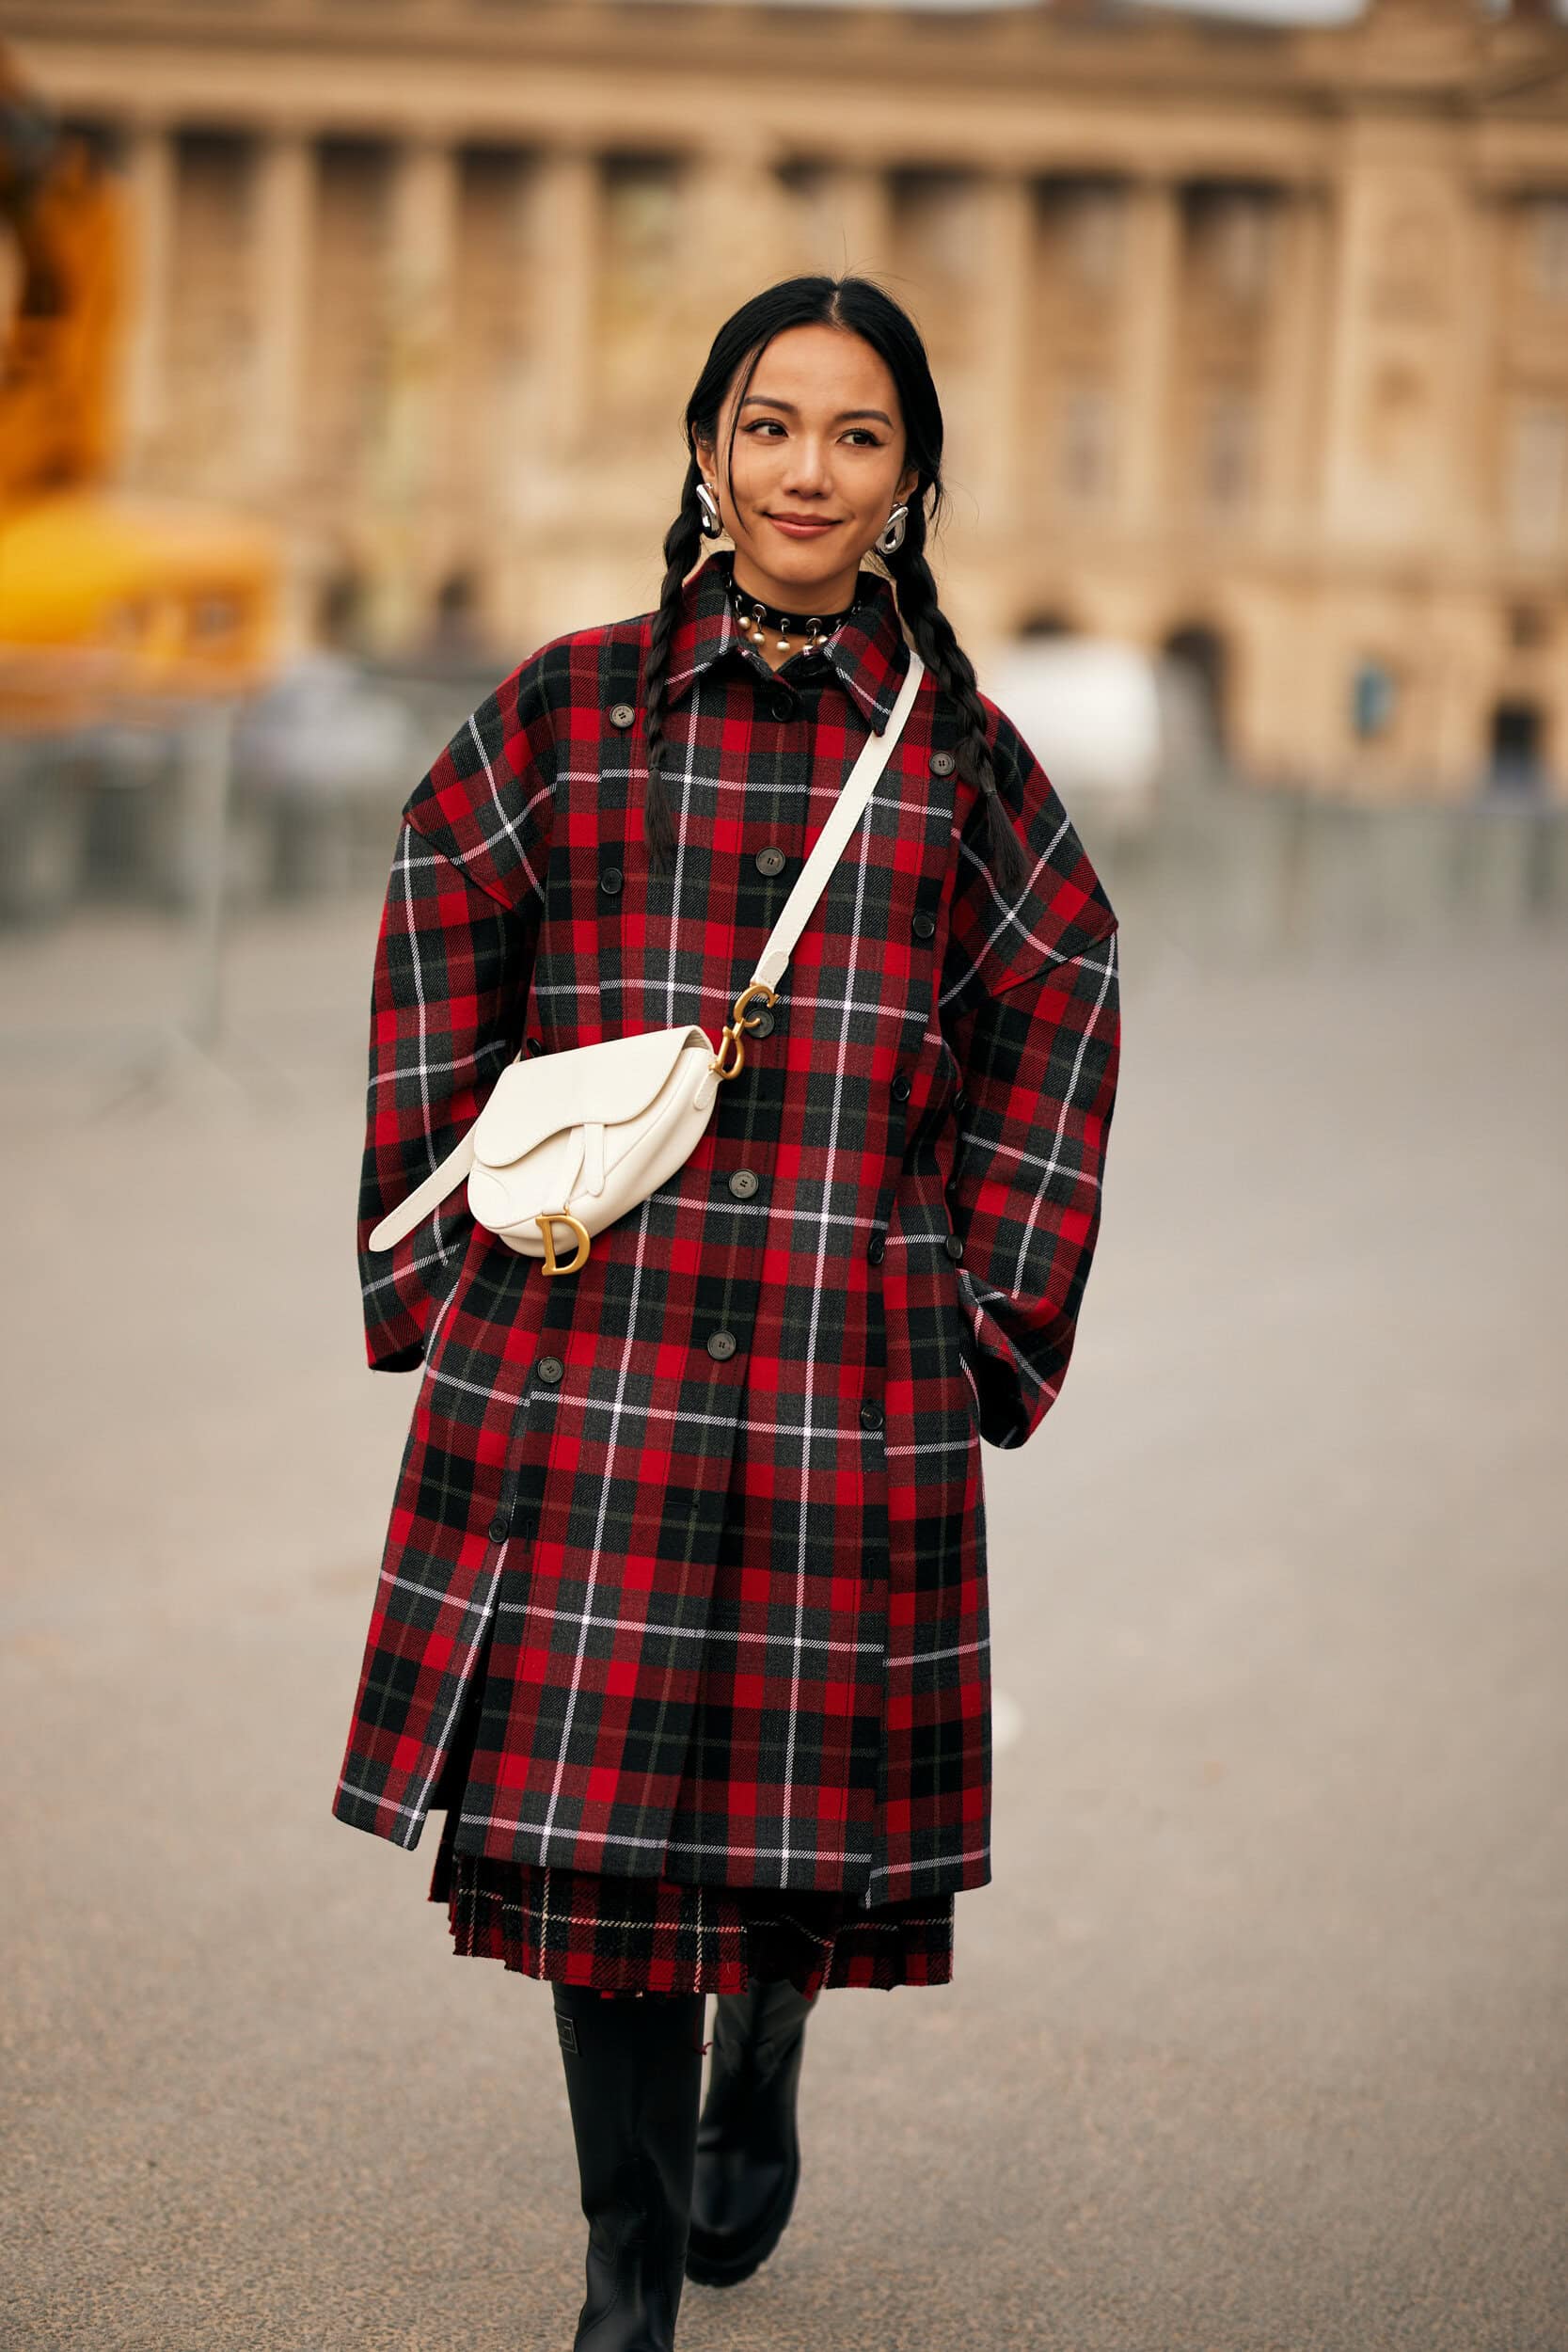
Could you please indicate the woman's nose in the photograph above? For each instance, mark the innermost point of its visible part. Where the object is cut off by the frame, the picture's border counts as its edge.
(807, 469)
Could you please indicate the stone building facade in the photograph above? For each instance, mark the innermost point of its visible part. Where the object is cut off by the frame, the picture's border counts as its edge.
(1252, 341)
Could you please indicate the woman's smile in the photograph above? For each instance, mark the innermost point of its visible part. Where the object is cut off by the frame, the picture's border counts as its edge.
(797, 527)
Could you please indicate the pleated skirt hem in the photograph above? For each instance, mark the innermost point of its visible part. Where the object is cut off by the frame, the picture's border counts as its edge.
(658, 1935)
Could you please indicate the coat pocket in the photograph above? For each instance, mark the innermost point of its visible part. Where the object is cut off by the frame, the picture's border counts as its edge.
(963, 1342)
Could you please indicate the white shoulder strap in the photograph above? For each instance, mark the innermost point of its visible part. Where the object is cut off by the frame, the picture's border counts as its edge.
(829, 846)
(825, 851)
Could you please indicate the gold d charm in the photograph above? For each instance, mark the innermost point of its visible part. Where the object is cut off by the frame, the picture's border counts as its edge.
(722, 1065)
(546, 1220)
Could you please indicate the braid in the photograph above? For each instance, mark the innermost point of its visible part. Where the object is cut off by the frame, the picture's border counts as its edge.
(681, 544)
(942, 652)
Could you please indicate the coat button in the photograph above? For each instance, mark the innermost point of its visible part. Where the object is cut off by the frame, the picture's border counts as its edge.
(611, 879)
(550, 1369)
(761, 1019)
(954, 1246)
(622, 715)
(744, 1182)
(499, 1526)
(960, 1100)
(901, 1089)
(721, 1345)
(534, 1044)
(923, 925)
(871, 1416)
(781, 703)
(943, 763)
(770, 861)
(875, 1247)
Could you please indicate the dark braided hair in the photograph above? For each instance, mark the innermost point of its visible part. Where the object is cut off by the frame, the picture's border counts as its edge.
(862, 307)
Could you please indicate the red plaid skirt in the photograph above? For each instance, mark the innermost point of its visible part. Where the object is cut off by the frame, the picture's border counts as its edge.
(656, 1935)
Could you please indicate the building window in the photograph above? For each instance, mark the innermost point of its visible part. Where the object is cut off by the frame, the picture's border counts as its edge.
(1517, 763)
(1239, 245)
(639, 265)
(1227, 460)
(1549, 248)
(1374, 700)
(1528, 626)
(1086, 453)
(1536, 489)
(1093, 235)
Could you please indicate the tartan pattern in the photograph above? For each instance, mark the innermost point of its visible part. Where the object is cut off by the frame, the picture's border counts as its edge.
(655, 1935)
(731, 1609)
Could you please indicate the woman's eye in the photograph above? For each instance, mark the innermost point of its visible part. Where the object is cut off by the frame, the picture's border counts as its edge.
(858, 432)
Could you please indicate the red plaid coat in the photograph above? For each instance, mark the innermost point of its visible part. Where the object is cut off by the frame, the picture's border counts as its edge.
(718, 1498)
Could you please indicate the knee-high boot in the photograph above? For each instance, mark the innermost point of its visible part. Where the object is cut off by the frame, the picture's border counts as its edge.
(633, 2069)
(748, 2144)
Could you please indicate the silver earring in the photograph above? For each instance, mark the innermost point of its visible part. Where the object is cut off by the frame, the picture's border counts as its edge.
(712, 522)
(890, 537)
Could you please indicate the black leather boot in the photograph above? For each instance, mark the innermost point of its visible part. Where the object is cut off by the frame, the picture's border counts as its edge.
(634, 2072)
(748, 2146)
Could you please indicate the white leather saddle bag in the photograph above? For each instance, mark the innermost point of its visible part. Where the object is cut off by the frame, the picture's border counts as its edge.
(568, 1142)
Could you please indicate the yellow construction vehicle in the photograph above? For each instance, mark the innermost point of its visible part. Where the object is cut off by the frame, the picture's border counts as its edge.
(113, 609)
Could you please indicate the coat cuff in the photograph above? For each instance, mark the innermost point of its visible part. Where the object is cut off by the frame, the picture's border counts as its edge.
(396, 1346)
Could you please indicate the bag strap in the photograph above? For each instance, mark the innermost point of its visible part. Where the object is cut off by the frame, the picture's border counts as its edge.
(825, 851)
(830, 844)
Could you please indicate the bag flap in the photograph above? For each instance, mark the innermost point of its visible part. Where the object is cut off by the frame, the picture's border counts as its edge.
(611, 1080)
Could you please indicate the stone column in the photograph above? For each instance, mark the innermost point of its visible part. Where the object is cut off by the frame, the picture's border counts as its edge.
(1005, 245)
(738, 223)
(1151, 262)
(1296, 343)
(862, 199)
(411, 469)
(284, 206)
(151, 166)
(566, 231)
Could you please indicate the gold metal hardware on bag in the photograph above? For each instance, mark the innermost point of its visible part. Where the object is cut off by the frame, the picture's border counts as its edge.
(739, 1019)
(546, 1220)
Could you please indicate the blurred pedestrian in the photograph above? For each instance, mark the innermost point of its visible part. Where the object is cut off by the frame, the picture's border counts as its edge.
(681, 1618)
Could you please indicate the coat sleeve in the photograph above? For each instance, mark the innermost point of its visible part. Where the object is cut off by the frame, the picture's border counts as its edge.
(1031, 1013)
(453, 965)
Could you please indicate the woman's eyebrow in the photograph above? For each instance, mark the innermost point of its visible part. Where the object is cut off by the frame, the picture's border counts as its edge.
(880, 414)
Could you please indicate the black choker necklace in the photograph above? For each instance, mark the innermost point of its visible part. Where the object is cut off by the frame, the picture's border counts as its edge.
(756, 618)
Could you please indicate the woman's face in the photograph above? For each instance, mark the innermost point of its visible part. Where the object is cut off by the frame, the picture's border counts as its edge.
(819, 434)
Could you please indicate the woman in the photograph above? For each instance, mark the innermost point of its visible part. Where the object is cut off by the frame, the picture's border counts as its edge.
(682, 1616)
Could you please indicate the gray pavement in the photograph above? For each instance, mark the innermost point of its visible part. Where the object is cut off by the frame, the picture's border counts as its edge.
(1258, 2040)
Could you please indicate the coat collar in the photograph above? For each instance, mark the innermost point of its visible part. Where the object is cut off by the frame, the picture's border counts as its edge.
(867, 649)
